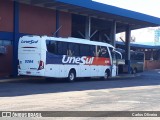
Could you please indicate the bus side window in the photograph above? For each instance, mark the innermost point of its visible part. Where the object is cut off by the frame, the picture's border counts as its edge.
(102, 51)
(98, 51)
(73, 49)
(76, 49)
(140, 56)
(62, 48)
(133, 56)
(92, 50)
(51, 46)
(118, 56)
(84, 50)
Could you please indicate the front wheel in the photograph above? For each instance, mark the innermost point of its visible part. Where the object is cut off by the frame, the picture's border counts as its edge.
(71, 76)
(106, 75)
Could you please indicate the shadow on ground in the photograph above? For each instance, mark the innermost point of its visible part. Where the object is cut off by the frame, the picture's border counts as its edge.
(41, 86)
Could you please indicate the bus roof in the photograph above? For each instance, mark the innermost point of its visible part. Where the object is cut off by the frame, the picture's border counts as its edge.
(69, 39)
(77, 40)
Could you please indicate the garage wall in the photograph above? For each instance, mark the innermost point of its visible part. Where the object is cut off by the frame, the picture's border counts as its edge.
(37, 20)
(150, 65)
(6, 62)
(32, 20)
(6, 15)
(65, 21)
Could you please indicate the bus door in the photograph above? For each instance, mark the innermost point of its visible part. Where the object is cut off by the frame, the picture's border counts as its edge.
(115, 56)
(94, 68)
(114, 65)
(118, 60)
(103, 59)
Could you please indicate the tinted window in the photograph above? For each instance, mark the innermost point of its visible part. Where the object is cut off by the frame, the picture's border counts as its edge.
(102, 51)
(118, 56)
(73, 49)
(132, 56)
(139, 56)
(92, 50)
(51, 46)
(84, 50)
(62, 48)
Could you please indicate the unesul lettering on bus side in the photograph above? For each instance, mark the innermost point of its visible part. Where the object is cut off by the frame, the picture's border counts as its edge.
(77, 60)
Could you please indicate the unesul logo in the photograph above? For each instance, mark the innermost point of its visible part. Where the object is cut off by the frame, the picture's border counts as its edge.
(77, 60)
(29, 41)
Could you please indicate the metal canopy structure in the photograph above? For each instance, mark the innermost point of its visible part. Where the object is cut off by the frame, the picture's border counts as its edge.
(97, 10)
(139, 45)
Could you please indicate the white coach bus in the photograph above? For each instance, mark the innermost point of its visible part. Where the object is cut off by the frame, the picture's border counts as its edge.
(65, 57)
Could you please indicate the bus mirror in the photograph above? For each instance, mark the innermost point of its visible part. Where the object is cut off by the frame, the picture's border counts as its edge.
(117, 54)
(113, 50)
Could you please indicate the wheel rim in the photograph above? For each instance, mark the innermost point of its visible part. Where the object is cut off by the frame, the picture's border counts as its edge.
(71, 76)
(105, 75)
(134, 71)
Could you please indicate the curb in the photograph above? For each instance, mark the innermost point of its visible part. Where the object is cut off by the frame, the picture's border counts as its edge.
(18, 78)
(7, 79)
(126, 76)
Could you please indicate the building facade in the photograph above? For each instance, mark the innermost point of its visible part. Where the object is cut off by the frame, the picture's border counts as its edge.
(62, 18)
(18, 19)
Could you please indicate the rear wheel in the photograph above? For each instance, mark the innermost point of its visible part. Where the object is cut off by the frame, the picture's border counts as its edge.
(71, 76)
(106, 75)
(134, 71)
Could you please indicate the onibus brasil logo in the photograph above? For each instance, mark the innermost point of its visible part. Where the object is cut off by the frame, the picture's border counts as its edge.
(21, 114)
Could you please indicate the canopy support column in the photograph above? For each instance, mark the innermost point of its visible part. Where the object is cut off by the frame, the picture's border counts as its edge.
(88, 28)
(113, 33)
(127, 45)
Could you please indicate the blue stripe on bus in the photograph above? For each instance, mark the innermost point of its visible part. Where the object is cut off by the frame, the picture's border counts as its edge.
(76, 60)
(53, 59)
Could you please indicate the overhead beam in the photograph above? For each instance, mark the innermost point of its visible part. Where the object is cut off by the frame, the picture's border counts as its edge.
(53, 5)
(34, 2)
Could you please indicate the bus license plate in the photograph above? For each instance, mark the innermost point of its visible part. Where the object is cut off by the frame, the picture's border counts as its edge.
(28, 72)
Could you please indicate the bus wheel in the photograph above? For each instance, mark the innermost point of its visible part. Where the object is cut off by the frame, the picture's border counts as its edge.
(106, 75)
(71, 76)
(134, 70)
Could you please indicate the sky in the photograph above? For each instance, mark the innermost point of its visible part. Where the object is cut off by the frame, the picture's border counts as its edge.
(149, 7)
